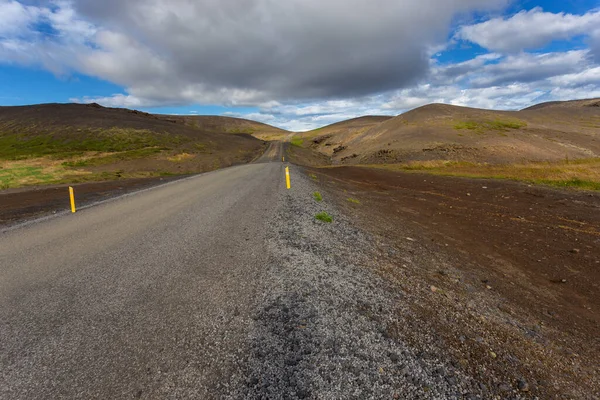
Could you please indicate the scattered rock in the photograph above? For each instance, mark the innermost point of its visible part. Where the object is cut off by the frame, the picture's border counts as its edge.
(574, 251)
(523, 385)
(504, 387)
(434, 289)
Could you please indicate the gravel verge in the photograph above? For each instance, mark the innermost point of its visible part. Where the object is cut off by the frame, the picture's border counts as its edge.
(323, 329)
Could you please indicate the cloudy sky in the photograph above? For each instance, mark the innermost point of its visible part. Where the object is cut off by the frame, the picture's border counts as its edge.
(298, 64)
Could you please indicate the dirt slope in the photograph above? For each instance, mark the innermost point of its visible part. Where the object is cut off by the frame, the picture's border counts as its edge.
(221, 124)
(553, 131)
(339, 132)
(67, 143)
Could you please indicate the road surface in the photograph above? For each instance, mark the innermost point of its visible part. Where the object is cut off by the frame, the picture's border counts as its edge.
(147, 295)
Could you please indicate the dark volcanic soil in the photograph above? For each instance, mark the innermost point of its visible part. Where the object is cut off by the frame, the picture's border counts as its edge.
(505, 275)
(19, 205)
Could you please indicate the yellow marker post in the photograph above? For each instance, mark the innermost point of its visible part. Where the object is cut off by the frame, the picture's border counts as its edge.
(287, 177)
(282, 159)
(72, 196)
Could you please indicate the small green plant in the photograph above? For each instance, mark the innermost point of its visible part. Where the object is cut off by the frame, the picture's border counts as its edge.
(471, 125)
(318, 196)
(324, 217)
(313, 177)
(355, 201)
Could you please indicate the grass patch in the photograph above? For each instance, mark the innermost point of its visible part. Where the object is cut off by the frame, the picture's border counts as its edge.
(297, 142)
(324, 217)
(313, 177)
(113, 140)
(318, 196)
(355, 201)
(45, 171)
(113, 158)
(579, 174)
(494, 125)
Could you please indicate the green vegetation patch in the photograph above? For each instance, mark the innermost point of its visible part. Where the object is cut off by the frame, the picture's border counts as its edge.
(355, 201)
(318, 196)
(324, 217)
(20, 147)
(297, 142)
(571, 183)
(495, 125)
(13, 176)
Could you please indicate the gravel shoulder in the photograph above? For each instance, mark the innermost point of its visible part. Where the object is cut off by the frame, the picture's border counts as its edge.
(328, 322)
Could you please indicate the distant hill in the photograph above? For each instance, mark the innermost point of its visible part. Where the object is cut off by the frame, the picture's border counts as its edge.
(550, 131)
(342, 131)
(566, 104)
(232, 125)
(52, 143)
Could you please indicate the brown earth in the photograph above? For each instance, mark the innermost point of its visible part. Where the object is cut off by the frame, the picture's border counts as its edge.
(546, 132)
(504, 275)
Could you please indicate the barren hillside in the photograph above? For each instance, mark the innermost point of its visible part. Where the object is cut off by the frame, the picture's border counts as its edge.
(221, 124)
(551, 131)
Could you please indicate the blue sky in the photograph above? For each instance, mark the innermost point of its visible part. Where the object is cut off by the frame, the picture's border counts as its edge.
(298, 64)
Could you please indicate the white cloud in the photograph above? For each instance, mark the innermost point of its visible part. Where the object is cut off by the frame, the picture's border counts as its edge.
(529, 30)
(247, 52)
(15, 18)
(525, 67)
(587, 77)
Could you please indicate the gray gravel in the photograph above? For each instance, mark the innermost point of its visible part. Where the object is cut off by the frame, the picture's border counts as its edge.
(322, 328)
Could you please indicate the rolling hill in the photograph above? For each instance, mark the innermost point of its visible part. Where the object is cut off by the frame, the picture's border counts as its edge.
(55, 143)
(219, 124)
(546, 132)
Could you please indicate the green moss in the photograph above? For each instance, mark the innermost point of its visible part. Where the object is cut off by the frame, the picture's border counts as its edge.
(324, 217)
(494, 125)
(318, 196)
(573, 183)
(297, 142)
(22, 146)
(10, 176)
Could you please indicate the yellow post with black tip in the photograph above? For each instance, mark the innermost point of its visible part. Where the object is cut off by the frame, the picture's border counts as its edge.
(72, 197)
(287, 178)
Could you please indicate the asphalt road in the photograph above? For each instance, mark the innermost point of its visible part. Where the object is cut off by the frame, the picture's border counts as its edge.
(147, 296)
